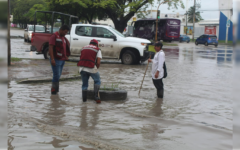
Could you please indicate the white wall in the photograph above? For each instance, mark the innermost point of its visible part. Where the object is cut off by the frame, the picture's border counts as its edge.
(225, 4)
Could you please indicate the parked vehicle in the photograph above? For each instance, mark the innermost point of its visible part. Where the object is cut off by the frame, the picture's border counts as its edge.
(168, 29)
(207, 40)
(184, 38)
(113, 44)
(55, 29)
(28, 31)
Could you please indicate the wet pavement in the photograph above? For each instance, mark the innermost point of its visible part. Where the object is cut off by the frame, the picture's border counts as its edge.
(195, 113)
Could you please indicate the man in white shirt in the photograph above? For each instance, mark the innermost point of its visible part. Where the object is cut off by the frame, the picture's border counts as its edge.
(157, 68)
(89, 62)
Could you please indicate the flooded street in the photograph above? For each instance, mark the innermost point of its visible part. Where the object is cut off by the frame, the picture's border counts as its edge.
(195, 113)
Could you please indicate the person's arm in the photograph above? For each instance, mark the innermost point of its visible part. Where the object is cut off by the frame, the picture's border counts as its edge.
(99, 57)
(161, 59)
(52, 42)
(98, 62)
(51, 55)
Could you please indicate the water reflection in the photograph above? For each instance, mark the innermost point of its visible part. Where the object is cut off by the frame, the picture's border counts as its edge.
(157, 108)
(224, 56)
(56, 111)
(10, 139)
(172, 52)
(91, 124)
(150, 134)
(84, 148)
(55, 143)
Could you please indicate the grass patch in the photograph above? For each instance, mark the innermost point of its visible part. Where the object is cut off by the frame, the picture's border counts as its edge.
(151, 47)
(15, 59)
(110, 87)
(169, 44)
(223, 42)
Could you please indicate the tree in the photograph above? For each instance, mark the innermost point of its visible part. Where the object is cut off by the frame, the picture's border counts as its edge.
(197, 15)
(119, 11)
(20, 8)
(84, 9)
(123, 10)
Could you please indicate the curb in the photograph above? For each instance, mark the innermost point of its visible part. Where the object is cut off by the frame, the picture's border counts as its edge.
(16, 37)
(102, 61)
(34, 80)
(109, 95)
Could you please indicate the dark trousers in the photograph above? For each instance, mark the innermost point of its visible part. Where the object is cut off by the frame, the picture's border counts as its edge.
(158, 84)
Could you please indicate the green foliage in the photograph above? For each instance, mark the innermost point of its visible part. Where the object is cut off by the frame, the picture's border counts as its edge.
(119, 11)
(15, 59)
(197, 15)
(20, 10)
(110, 87)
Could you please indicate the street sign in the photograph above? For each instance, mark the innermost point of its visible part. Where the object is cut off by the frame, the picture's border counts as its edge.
(228, 23)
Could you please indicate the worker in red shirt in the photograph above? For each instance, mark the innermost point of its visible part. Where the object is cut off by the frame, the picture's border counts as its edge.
(59, 51)
(90, 59)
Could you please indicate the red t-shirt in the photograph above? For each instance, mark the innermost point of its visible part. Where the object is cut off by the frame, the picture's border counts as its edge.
(52, 41)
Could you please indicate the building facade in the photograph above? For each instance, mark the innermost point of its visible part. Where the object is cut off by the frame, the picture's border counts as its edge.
(226, 11)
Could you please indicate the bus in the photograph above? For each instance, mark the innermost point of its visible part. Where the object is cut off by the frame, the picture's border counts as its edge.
(168, 29)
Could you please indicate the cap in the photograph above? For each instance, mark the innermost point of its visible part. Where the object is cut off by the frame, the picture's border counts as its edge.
(94, 41)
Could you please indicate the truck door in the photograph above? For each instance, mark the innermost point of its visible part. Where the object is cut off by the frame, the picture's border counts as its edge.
(108, 46)
(80, 38)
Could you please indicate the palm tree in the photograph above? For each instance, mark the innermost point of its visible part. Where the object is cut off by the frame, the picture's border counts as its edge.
(197, 15)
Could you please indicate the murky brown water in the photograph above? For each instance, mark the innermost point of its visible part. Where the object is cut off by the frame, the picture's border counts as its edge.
(196, 112)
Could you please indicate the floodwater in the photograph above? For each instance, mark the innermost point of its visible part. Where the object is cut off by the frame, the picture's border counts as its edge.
(195, 113)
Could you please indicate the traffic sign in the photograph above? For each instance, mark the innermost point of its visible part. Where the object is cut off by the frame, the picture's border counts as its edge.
(228, 23)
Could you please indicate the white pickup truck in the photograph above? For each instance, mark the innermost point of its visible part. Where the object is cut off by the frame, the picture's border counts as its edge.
(113, 44)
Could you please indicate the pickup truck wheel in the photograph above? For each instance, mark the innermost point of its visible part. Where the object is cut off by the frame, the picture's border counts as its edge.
(128, 58)
(46, 53)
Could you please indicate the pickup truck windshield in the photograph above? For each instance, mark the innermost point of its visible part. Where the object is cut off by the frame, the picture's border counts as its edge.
(117, 32)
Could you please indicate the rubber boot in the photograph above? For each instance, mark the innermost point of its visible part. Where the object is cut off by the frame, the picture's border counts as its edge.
(96, 93)
(54, 88)
(57, 87)
(160, 93)
(84, 95)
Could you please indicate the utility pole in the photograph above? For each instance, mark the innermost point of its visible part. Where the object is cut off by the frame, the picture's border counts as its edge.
(158, 15)
(186, 22)
(8, 38)
(194, 11)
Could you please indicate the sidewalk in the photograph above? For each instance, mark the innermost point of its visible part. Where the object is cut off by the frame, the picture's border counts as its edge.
(16, 33)
(35, 71)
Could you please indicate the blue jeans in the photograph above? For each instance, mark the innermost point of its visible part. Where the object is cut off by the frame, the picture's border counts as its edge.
(57, 69)
(85, 77)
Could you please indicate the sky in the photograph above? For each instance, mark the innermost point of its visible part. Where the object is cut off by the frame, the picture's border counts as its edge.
(205, 5)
